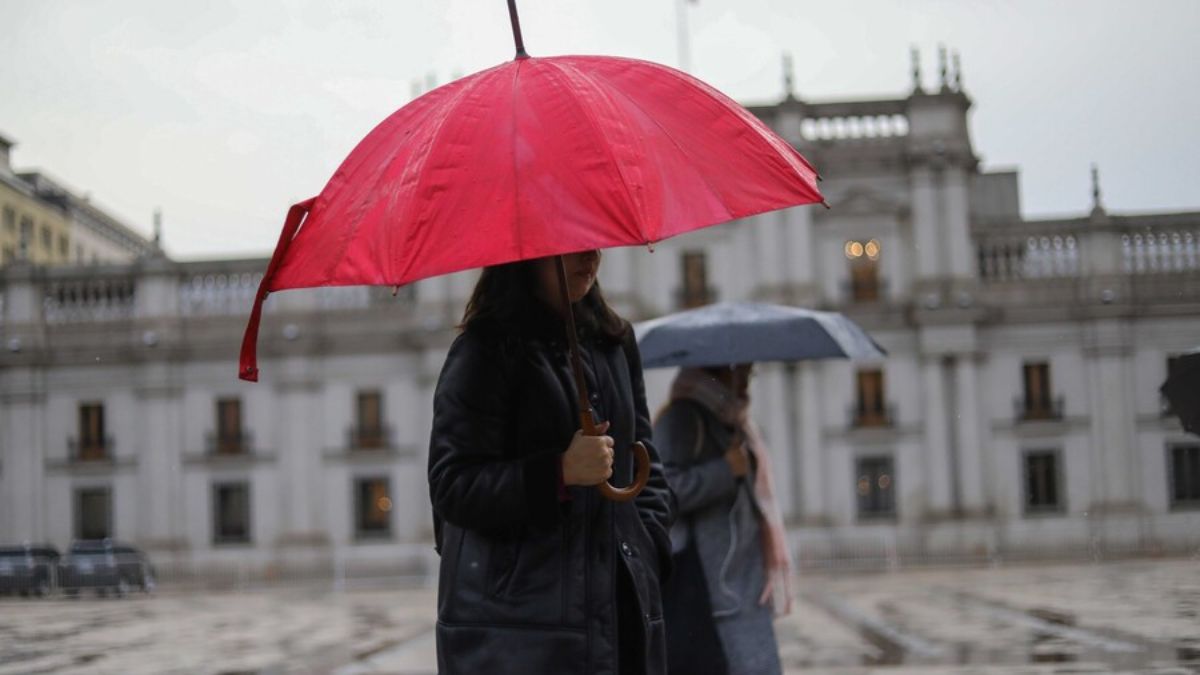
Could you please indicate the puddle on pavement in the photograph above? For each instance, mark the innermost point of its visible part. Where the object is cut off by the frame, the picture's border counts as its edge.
(1012, 642)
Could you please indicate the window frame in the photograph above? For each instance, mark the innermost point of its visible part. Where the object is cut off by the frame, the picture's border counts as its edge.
(1060, 501)
(220, 539)
(368, 533)
(864, 415)
(1173, 501)
(887, 462)
(92, 446)
(366, 436)
(230, 442)
(77, 509)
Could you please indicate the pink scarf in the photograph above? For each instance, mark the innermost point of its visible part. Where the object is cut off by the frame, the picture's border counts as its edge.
(699, 386)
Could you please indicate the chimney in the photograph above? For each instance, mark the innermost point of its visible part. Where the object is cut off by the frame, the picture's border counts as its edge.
(6, 146)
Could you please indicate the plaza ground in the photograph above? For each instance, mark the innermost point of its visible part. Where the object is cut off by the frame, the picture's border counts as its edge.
(1124, 617)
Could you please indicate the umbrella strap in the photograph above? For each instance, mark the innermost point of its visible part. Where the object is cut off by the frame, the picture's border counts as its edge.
(248, 365)
(586, 416)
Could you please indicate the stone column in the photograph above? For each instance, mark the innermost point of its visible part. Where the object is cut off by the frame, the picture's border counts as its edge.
(925, 223)
(937, 444)
(800, 260)
(956, 215)
(768, 256)
(969, 438)
(22, 451)
(1117, 472)
(810, 479)
(770, 410)
(158, 393)
(297, 390)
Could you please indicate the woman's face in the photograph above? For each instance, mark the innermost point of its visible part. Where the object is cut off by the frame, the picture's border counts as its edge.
(582, 269)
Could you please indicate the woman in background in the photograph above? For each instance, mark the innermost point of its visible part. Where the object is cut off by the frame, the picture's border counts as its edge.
(731, 565)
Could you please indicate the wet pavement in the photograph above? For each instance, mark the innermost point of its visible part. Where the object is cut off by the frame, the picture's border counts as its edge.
(1129, 617)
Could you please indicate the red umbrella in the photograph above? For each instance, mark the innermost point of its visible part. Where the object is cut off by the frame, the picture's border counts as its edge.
(532, 158)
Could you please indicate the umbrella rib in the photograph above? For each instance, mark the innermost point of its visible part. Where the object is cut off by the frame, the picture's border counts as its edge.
(748, 120)
(587, 115)
(417, 169)
(517, 220)
(467, 90)
(704, 177)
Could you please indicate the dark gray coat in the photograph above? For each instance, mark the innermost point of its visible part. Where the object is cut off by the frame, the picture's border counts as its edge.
(718, 514)
(528, 581)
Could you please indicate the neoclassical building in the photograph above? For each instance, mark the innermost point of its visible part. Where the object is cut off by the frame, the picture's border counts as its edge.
(1017, 412)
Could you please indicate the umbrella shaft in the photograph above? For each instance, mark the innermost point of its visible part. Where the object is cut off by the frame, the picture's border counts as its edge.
(516, 28)
(586, 415)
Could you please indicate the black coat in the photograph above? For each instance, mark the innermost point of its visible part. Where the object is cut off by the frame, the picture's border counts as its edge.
(529, 580)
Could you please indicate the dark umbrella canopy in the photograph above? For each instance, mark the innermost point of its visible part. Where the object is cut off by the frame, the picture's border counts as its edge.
(1182, 390)
(749, 332)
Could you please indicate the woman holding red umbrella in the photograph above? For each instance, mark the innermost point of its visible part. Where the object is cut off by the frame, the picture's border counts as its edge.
(539, 572)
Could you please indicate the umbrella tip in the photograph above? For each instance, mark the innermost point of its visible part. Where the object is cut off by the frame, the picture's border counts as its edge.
(825, 204)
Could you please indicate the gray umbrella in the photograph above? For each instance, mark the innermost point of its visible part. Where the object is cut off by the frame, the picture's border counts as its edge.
(748, 332)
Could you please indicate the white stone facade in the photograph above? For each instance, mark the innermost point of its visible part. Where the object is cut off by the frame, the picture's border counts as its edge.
(976, 307)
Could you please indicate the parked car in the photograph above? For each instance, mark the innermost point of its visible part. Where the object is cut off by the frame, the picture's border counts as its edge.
(105, 565)
(28, 569)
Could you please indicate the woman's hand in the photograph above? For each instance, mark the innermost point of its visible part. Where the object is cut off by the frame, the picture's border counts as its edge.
(589, 459)
(738, 457)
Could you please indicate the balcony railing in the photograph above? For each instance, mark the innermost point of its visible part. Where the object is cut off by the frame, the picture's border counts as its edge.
(861, 417)
(228, 444)
(369, 438)
(1032, 410)
(90, 449)
(864, 292)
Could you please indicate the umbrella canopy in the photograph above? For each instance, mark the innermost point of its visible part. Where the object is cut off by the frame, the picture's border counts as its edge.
(532, 158)
(529, 159)
(749, 332)
(1182, 390)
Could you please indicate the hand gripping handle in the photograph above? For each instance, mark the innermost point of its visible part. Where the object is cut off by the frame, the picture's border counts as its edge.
(641, 458)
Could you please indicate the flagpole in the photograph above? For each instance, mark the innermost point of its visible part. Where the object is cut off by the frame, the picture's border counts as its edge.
(682, 26)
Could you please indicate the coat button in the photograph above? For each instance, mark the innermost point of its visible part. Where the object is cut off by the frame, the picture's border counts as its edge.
(626, 549)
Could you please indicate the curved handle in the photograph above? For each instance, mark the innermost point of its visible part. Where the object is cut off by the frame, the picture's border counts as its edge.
(616, 494)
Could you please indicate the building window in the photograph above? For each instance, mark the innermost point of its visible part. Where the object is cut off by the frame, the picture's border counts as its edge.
(1037, 403)
(231, 440)
(47, 238)
(26, 230)
(373, 508)
(10, 254)
(79, 254)
(64, 248)
(93, 513)
(863, 258)
(93, 444)
(870, 410)
(10, 220)
(876, 487)
(231, 513)
(1185, 476)
(1173, 364)
(695, 290)
(368, 432)
(1043, 486)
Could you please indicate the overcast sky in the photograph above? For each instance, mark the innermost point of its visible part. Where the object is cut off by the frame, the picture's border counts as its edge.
(224, 112)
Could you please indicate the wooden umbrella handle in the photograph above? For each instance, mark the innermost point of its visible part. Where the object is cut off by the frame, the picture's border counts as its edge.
(640, 456)
(616, 494)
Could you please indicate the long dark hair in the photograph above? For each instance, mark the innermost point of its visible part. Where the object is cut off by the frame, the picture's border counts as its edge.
(505, 298)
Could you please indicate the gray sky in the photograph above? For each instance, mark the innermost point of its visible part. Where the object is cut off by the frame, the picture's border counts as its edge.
(224, 112)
